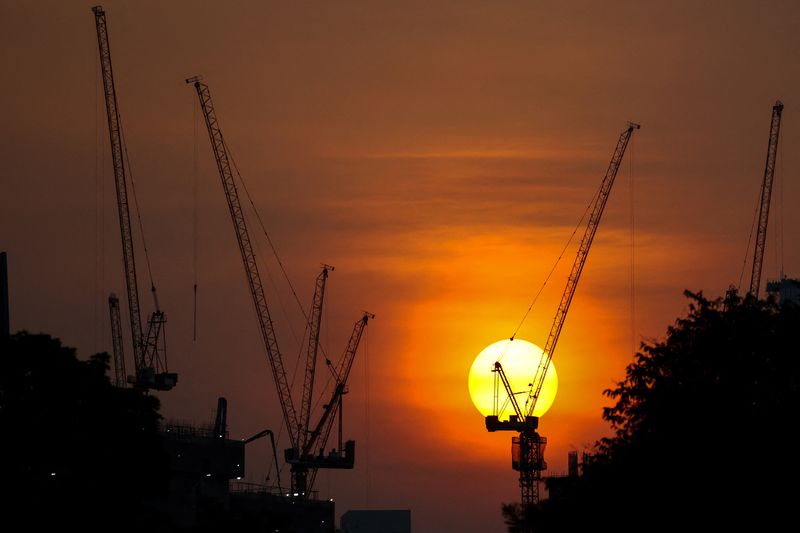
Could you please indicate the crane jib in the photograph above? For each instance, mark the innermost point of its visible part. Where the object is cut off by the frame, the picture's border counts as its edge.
(248, 259)
(577, 267)
(151, 370)
(766, 195)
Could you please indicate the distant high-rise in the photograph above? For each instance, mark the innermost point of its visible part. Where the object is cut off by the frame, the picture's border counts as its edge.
(572, 464)
(383, 521)
(5, 326)
(787, 289)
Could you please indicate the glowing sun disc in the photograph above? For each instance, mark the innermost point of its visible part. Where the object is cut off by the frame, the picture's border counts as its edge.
(520, 359)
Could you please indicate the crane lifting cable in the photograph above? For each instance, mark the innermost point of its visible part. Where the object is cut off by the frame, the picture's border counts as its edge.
(265, 232)
(555, 264)
(138, 213)
(274, 250)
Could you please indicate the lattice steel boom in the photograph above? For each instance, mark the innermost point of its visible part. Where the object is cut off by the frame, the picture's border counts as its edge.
(766, 195)
(318, 438)
(121, 182)
(248, 259)
(149, 345)
(528, 447)
(314, 326)
(577, 267)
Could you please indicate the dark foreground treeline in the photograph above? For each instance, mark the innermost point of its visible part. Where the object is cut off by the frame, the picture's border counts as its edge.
(705, 426)
(76, 451)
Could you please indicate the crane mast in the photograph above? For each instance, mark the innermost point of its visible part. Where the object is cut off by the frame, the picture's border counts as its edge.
(248, 259)
(766, 196)
(151, 371)
(527, 449)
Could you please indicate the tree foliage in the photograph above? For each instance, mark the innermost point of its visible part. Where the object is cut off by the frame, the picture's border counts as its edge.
(76, 450)
(702, 427)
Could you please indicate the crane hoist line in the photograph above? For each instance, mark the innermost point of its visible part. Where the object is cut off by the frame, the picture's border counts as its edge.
(528, 447)
(305, 439)
(149, 346)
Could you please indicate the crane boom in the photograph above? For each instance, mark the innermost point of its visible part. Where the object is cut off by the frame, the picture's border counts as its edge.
(500, 374)
(577, 267)
(766, 195)
(151, 371)
(322, 430)
(527, 449)
(315, 323)
(319, 437)
(120, 180)
(248, 258)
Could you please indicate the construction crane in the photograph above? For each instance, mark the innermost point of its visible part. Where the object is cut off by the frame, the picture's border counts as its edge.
(304, 466)
(301, 439)
(528, 447)
(149, 350)
(116, 341)
(766, 195)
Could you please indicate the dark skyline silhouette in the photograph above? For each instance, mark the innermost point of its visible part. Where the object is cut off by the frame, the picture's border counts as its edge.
(438, 155)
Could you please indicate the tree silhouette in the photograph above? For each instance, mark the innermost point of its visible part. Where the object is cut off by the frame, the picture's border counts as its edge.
(703, 426)
(76, 450)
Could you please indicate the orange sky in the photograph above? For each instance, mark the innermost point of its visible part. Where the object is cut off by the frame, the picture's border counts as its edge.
(439, 155)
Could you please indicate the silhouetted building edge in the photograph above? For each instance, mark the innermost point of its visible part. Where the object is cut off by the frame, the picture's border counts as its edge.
(377, 521)
(787, 289)
(5, 322)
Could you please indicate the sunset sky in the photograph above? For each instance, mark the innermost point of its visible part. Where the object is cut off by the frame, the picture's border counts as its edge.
(439, 155)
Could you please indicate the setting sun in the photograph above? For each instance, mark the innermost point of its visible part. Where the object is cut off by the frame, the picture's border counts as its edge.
(520, 359)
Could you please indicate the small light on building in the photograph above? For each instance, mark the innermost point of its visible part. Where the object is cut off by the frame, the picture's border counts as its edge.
(208, 475)
(238, 478)
(330, 500)
(296, 494)
(52, 473)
